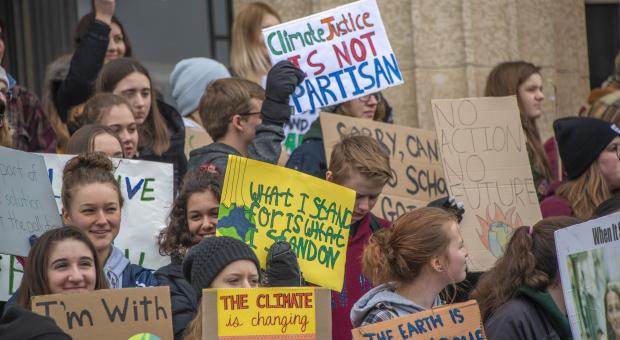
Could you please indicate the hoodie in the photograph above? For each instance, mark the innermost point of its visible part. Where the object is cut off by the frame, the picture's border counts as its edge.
(531, 315)
(384, 297)
(114, 267)
(19, 323)
(265, 147)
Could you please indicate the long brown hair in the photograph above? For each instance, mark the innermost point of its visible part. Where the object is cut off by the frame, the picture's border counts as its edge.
(504, 80)
(154, 132)
(246, 57)
(82, 27)
(586, 192)
(529, 260)
(399, 253)
(35, 281)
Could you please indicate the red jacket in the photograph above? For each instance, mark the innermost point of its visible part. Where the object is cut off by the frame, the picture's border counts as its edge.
(355, 284)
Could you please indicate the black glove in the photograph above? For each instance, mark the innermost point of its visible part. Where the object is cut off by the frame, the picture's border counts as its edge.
(450, 204)
(282, 266)
(282, 80)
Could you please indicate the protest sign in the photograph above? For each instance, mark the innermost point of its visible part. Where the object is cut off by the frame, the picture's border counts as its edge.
(414, 159)
(195, 136)
(344, 52)
(589, 261)
(27, 204)
(456, 321)
(295, 129)
(146, 188)
(110, 313)
(300, 313)
(486, 165)
(262, 203)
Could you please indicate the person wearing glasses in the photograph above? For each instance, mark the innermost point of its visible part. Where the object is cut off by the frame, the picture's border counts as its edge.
(309, 157)
(245, 120)
(589, 149)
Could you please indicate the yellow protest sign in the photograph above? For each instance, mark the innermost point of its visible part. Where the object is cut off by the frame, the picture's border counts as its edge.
(414, 158)
(456, 321)
(262, 203)
(267, 313)
(487, 168)
(110, 313)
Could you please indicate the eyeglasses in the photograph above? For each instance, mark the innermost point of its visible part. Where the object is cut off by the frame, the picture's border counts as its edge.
(366, 99)
(245, 114)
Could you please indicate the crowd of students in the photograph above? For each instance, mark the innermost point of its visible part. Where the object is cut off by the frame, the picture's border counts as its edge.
(100, 103)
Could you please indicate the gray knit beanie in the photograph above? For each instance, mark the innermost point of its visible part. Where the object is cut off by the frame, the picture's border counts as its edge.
(208, 258)
(190, 78)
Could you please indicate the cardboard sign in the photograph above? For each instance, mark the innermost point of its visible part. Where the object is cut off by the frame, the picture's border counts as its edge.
(456, 321)
(589, 261)
(344, 52)
(301, 313)
(486, 165)
(26, 202)
(262, 203)
(195, 136)
(110, 313)
(414, 158)
(147, 191)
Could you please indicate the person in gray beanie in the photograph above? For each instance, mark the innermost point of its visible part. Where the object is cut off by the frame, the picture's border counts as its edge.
(221, 262)
(188, 82)
(590, 152)
(218, 262)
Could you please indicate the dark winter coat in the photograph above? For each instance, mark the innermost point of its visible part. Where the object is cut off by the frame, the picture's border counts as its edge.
(182, 295)
(309, 157)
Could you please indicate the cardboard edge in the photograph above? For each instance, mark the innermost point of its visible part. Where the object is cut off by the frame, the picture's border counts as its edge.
(323, 297)
(209, 320)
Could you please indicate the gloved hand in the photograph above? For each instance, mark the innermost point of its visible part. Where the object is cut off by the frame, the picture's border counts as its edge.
(451, 204)
(282, 80)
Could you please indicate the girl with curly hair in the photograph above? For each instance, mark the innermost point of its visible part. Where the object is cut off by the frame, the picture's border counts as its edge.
(193, 217)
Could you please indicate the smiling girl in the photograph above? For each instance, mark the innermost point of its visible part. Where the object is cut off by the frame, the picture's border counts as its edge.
(63, 260)
(92, 202)
(193, 217)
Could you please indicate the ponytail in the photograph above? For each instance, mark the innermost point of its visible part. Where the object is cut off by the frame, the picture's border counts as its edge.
(399, 254)
(529, 259)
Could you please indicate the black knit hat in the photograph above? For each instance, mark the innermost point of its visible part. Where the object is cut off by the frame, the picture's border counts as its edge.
(581, 140)
(208, 258)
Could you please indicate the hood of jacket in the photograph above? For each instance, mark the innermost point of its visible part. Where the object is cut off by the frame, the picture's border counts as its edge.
(545, 302)
(384, 294)
(214, 153)
(114, 267)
